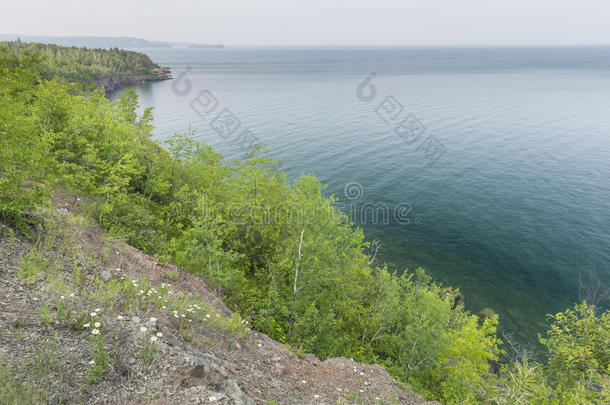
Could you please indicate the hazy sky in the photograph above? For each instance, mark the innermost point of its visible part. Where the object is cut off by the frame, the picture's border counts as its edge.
(318, 22)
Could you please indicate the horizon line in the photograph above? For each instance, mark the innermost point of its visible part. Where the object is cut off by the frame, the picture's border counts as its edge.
(335, 45)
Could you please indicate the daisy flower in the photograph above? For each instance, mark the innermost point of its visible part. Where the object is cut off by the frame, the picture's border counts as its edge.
(93, 314)
(143, 329)
(97, 324)
(153, 339)
(95, 332)
(86, 325)
(92, 363)
(159, 334)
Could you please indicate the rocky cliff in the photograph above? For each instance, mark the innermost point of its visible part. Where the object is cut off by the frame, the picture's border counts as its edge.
(111, 83)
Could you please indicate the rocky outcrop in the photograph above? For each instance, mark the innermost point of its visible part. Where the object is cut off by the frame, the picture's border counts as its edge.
(111, 83)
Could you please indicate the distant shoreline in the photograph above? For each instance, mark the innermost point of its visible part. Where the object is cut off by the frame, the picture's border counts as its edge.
(103, 42)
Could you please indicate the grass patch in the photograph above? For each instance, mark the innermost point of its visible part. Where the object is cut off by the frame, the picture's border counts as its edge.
(32, 380)
(32, 267)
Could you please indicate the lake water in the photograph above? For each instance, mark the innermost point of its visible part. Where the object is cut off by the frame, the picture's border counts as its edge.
(499, 179)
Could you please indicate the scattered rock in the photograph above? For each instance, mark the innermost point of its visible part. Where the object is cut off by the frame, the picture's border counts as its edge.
(106, 275)
(205, 372)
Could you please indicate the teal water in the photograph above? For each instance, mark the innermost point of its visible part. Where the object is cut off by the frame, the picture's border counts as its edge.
(513, 211)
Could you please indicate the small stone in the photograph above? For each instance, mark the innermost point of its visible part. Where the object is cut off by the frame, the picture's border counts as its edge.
(106, 275)
(199, 368)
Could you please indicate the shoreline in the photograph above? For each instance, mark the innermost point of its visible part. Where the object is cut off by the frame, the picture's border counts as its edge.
(116, 82)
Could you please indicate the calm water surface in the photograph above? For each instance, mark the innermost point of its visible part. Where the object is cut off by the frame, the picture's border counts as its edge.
(515, 209)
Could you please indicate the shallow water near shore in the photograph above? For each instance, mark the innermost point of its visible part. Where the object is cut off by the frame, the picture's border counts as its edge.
(515, 209)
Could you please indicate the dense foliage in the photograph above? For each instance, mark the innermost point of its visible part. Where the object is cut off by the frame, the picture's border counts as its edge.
(80, 64)
(279, 253)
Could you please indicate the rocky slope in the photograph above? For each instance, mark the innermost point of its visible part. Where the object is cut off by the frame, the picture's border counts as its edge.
(165, 336)
(111, 83)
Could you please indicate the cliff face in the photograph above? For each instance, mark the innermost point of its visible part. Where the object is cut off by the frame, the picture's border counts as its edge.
(111, 83)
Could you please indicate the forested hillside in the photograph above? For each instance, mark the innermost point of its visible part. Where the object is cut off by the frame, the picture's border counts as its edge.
(79, 64)
(278, 253)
